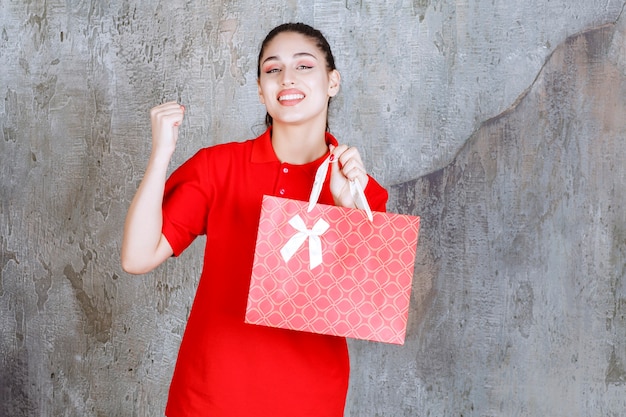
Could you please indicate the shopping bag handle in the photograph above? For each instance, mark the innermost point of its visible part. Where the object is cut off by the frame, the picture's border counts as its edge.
(355, 189)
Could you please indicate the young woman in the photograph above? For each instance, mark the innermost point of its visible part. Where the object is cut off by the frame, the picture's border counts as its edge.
(227, 368)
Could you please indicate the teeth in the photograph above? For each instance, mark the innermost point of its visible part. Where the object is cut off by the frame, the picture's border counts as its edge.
(291, 97)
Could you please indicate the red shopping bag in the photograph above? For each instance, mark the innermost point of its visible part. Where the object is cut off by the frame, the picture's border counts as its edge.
(333, 270)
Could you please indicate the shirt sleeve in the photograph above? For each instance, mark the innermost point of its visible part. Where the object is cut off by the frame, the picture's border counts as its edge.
(376, 195)
(186, 203)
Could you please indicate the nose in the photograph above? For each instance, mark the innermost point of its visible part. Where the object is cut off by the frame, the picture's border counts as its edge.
(288, 77)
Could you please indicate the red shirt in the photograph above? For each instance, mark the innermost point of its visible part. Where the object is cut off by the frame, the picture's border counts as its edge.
(227, 368)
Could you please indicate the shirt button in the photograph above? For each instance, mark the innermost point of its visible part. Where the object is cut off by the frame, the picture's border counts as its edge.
(282, 191)
(285, 170)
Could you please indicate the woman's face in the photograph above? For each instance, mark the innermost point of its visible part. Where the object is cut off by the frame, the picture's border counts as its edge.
(294, 83)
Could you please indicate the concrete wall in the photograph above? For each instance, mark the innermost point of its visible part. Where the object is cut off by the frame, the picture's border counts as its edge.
(501, 123)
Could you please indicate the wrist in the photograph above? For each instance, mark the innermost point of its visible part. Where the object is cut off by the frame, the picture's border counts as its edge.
(161, 155)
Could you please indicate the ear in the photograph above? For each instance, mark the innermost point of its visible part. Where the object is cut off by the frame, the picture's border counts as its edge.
(334, 81)
(261, 98)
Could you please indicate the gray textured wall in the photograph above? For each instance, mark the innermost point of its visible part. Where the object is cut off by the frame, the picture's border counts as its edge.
(502, 124)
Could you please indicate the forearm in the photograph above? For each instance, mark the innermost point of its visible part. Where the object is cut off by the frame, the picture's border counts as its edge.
(143, 246)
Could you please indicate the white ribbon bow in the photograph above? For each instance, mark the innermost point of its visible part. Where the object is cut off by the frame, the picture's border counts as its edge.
(315, 244)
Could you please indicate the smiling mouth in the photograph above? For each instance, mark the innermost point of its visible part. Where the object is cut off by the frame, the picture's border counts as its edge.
(291, 97)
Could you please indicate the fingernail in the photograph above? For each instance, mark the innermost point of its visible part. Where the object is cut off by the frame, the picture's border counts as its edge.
(332, 157)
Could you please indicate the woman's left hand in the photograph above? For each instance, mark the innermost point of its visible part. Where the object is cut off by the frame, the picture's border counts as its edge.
(346, 166)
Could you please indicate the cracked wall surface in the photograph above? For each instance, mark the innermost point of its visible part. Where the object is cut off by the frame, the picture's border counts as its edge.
(502, 125)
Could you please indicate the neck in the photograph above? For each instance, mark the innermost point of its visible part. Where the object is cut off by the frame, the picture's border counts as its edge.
(298, 145)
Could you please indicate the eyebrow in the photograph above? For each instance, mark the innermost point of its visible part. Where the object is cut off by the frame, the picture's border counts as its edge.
(298, 55)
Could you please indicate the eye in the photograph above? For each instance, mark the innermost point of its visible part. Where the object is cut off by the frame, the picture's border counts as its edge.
(272, 70)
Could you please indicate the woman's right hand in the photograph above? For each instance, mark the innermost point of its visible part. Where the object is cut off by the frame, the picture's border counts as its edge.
(166, 119)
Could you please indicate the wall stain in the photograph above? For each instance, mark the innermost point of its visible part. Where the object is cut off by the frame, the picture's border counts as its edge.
(523, 301)
(5, 257)
(164, 293)
(616, 370)
(15, 397)
(615, 373)
(125, 18)
(10, 117)
(39, 24)
(43, 285)
(354, 4)
(44, 91)
(406, 198)
(24, 65)
(420, 7)
(227, 30)
(98, 321)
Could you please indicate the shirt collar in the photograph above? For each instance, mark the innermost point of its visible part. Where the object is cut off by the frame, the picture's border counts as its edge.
(262, 150)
